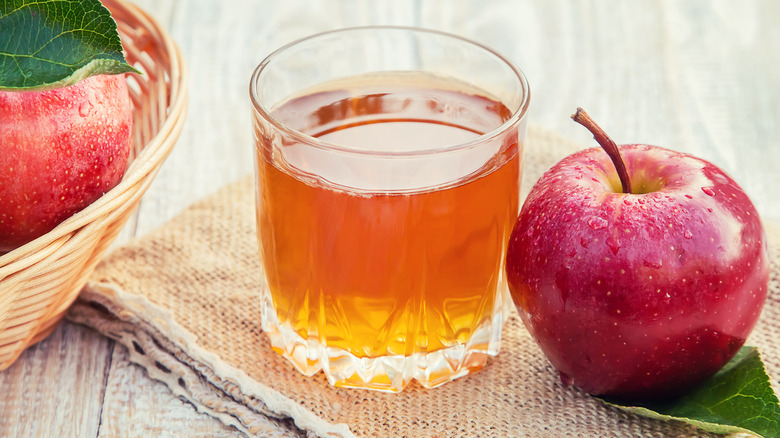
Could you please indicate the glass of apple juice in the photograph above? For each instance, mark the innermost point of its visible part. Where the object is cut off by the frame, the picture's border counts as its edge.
(388, 166)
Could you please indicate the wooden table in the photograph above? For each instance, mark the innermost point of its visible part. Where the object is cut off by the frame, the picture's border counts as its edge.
(699, 76)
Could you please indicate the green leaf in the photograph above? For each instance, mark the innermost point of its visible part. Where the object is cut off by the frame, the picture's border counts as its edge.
(739, 398)
(55, 43)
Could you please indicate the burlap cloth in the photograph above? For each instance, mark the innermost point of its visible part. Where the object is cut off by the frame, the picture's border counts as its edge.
(184, 301)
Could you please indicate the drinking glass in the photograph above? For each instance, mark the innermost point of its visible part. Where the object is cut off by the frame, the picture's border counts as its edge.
(388, 166)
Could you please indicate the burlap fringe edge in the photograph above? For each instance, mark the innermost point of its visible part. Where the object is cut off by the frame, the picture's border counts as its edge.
(192, 373)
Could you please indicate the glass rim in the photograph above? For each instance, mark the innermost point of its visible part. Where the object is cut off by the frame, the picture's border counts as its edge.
(309, 140)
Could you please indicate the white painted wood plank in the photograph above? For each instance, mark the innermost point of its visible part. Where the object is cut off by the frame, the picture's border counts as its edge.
(728, 66)
(56, 387)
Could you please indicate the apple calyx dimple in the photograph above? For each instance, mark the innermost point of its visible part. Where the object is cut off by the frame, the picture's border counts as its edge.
(609, 146)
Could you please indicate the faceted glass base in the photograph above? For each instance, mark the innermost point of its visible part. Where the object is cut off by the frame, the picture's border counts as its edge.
(390, 373)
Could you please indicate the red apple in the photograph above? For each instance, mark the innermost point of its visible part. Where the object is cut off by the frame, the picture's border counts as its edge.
(643, 294)
(60, 150)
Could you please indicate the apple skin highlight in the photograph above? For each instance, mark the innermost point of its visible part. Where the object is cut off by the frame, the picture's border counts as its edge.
(60, 150)
(643, 295)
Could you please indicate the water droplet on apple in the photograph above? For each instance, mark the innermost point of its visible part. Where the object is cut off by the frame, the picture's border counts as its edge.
(597, 223)
(689, 196)
(566, 379)
(84, 109)
(584, 242)
(613, 244)
(654, 264)
(708, 191)
(688, 234)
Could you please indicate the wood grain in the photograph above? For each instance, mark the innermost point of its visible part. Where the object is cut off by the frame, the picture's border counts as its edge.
(699, 76)
(57, 387)
(153, 412)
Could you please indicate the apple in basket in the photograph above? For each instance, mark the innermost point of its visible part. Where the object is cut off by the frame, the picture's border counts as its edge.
(638, 277)
(60, 150)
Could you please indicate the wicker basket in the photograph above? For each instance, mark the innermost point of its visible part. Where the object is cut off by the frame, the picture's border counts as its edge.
(40, 280)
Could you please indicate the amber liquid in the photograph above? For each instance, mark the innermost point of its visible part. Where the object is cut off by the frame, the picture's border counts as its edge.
(368, 259)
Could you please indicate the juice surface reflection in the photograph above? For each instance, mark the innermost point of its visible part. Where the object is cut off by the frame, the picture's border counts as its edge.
(357, 266)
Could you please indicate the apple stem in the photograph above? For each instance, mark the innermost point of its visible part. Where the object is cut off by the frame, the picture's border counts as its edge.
(607, 144)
